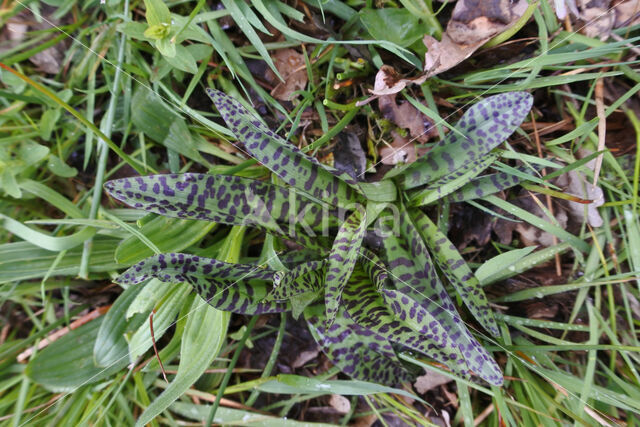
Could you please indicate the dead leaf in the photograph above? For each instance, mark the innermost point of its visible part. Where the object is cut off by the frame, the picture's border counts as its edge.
(598, 22)
(291, 66)
(406, 116)
(305, 357)
(430, 380)
(401, 150)
(348, 155)
(627, 13)
(340, 403)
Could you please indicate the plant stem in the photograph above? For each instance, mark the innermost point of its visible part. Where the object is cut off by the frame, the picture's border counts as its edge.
(227, 375)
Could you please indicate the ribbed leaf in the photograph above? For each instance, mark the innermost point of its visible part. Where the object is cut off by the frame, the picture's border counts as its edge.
(360, 353)
(238, 288)
(482, 128)
(227, 199)
(284, 159)
(342, 260)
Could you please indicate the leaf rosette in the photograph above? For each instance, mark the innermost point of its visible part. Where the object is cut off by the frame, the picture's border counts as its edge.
(362, 304)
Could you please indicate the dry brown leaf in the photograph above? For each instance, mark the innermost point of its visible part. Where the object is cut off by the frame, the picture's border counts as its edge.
(598, 22)
(340, 403)
(400, 151)
(627, 13)
(305, 357)
(406, 116)
(291, 66)
(429, 381)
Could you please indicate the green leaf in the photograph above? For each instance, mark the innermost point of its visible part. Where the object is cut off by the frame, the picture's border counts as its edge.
(499, 263)
(283, 159)
(67, 363)
(31, 153)
(456, 270)
(398, 26)
(148, 297)
(202, 340)
(24, 260)
(163, 319)
(294, 384)
(48, 121)
(230, 200)
(168, 234)
(157, 31)
(60, 168)
(43, 240)
(157, 12)
(342, 261)
(110, 345)
(239, 288)
(483, 127)
(487, 184)
(233, 417)
(151, 115)
(182, 60)
(166, 47)
(358, 352)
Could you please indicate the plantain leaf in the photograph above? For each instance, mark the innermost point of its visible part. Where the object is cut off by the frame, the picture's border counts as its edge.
(283, 159)
(67, 363)
(238, 288)
(360, 353)
(230, 200)
(483, 127)
(456, 270)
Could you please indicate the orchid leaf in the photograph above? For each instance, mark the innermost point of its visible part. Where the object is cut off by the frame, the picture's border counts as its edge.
(342, 260)
(360, 353)
(229, 200)
(238, 288)
(487, 184)
(284, 159)
(457, 271)
(450, 183)
(305, 277)
(483, 127)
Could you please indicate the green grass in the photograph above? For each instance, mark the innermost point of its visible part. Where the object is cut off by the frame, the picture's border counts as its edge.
(121, 103)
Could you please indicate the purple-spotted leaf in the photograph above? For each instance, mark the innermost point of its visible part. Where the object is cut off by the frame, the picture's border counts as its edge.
(303, 278)
(284, 159)
(456, 270)
(358, 352)
(342, 260)
(374, 267)
(488, 184)
(483, 127)
(413, 273)
(368, 308)
(449, 183)
(230, 200)
(239, 288)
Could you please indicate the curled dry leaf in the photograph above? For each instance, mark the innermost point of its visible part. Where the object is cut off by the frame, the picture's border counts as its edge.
(472, 24)
(291, 66)
(430, 380)
(340, 403)
(576, 183)
(401, 150)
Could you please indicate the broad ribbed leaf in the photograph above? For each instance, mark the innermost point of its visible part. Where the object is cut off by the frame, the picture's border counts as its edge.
(457, 271)
(342, 260)
(482, 128)
(360, 353)
(239, 288)
(284, 159)
(449, 183)
(227, 199)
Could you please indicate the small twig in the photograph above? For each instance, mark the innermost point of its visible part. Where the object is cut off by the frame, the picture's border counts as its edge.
(602, 127)
(155, 349)
(548, 197)
(22, 357)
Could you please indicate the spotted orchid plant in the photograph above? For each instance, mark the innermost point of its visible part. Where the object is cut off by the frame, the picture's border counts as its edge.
(370, 267)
